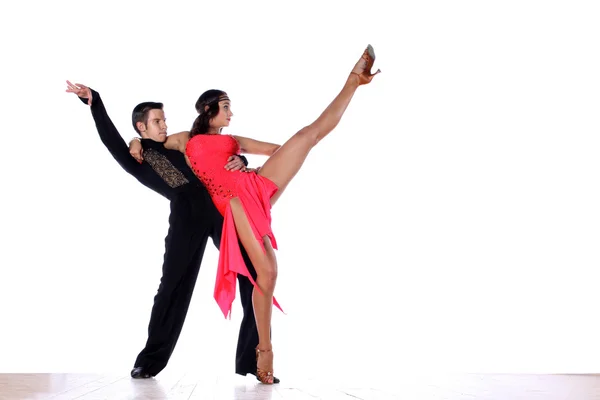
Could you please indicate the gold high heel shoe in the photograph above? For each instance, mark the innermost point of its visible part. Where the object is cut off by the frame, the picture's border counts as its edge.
(364, 65)
(262, 375)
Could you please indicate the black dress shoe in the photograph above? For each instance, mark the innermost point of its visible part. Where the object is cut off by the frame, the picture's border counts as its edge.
(275, 379)
(140, 373)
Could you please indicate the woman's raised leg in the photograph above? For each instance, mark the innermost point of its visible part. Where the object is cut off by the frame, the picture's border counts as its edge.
(282, 166)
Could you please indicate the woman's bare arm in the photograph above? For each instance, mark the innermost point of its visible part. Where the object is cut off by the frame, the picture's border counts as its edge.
(251, 146)
(177, 141)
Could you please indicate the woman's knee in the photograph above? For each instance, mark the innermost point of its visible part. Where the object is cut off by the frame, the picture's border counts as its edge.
(311, 134)
(269, 267)
(271, 273)
(268, 276)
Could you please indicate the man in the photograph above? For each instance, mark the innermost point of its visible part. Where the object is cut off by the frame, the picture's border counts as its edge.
(192, 220)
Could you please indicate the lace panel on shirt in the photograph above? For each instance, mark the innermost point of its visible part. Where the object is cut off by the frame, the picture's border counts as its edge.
(163, 167)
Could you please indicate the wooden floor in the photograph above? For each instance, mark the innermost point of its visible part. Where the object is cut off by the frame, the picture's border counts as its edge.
(201, 386)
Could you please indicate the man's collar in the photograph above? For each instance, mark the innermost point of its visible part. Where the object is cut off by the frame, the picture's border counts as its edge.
(151, 144)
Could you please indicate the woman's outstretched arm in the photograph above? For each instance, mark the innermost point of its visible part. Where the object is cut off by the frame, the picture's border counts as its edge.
(251, 146)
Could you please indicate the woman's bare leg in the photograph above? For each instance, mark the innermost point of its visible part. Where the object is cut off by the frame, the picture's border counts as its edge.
(282, 166)
(265, 264)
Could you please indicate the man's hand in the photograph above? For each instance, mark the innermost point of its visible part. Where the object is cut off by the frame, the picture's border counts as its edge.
(136, 150)
(251, 169)
(234, 163)
(80, 90)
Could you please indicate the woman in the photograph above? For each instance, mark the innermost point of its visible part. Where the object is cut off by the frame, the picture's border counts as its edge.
(245, 198)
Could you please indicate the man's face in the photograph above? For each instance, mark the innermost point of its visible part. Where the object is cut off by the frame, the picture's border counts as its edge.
(156, 127)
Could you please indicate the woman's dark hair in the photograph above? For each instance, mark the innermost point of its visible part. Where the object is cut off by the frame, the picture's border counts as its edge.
(208, 108)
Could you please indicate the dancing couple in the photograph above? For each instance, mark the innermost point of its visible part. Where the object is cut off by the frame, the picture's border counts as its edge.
(232, 205)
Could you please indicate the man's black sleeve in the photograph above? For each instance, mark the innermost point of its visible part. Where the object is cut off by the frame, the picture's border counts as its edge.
(111, 137)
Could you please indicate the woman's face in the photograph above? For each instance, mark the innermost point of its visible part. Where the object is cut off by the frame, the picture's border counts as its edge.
(223, 118)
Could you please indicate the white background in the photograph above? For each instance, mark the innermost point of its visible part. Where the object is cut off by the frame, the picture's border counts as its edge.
(450, 222)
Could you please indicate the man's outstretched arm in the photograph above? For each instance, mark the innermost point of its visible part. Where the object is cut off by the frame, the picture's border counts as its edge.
(109, 134)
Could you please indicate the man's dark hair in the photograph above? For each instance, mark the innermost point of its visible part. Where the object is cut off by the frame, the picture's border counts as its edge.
(140, 113)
